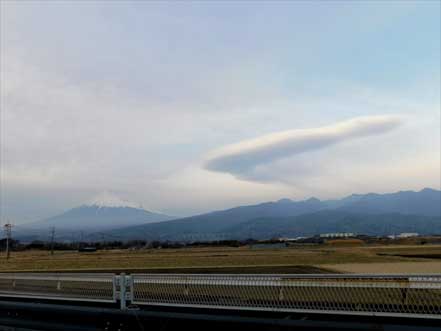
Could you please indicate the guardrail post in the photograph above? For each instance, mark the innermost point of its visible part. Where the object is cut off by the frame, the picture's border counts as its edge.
(122, 291)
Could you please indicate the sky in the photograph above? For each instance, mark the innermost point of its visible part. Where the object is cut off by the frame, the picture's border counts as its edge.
(188, 107)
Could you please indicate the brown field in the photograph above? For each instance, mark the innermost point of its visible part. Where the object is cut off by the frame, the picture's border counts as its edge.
(388, 268)
(345, 242)
(296, 259)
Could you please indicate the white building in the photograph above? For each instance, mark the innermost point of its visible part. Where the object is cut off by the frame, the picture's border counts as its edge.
(337, 235)
(408, 235)
(404, 235)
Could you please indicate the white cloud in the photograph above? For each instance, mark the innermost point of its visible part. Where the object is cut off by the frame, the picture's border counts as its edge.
(81, 113)
(243, 158)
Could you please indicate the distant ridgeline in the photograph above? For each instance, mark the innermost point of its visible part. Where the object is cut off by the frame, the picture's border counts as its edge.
(369, 214)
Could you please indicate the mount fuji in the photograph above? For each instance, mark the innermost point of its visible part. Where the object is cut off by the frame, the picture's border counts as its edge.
(105, 212)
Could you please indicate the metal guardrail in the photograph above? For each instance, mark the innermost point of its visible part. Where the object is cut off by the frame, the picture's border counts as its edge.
(387, 295)
(416, 296)
(74, 287)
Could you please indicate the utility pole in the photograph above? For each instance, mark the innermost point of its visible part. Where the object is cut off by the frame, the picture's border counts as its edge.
(8, 232)
(52, 240)
(80, 244)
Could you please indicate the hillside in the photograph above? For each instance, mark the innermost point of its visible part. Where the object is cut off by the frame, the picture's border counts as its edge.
(375, 214)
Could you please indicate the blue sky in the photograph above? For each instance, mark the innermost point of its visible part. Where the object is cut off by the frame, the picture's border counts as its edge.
(139, 97)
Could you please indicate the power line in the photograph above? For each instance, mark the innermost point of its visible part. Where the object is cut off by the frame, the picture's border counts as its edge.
(52, 240)
(8, 232)
(80, 243)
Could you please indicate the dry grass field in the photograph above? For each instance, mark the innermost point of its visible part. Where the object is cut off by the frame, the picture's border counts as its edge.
(297, 259)
(388, 268)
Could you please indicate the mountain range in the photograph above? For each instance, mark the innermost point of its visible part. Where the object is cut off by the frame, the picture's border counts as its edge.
(371, 214)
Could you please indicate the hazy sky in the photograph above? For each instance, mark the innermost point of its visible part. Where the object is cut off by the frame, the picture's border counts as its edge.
(187, 107)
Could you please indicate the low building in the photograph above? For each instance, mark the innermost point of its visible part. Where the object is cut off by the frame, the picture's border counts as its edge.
(403, 235)
(337, 235)
(408, 235)
(291, 239)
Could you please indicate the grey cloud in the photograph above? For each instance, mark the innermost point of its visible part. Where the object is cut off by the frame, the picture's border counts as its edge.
(242, 159)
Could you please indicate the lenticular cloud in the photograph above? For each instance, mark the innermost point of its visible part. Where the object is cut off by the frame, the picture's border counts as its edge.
(241, 158)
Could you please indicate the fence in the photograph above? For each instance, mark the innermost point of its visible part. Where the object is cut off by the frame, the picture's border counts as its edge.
(82, 287)
(389, 295)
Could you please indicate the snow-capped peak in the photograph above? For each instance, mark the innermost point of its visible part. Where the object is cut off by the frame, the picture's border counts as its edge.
(107, 199)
